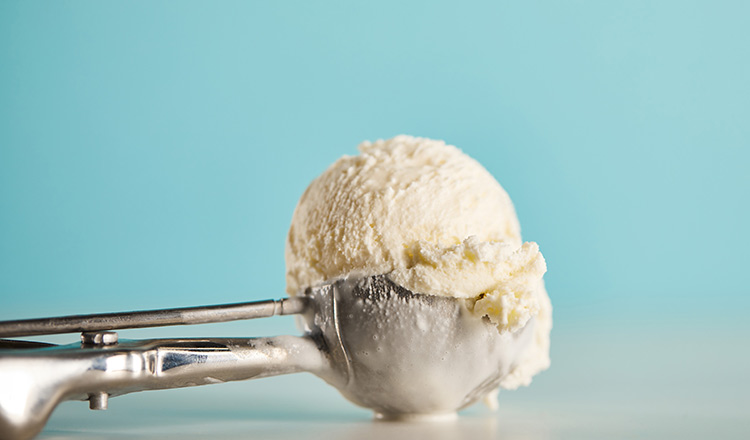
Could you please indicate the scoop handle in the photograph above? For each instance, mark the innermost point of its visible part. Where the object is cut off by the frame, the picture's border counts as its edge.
(153, 318)
(34, 381)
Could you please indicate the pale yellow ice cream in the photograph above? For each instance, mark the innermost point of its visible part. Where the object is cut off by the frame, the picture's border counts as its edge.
(434, 220)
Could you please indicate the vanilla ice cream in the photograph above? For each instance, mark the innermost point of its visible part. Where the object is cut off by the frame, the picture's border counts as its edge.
(437, 223)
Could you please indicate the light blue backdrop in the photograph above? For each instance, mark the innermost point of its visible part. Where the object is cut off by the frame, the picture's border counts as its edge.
(152, 153)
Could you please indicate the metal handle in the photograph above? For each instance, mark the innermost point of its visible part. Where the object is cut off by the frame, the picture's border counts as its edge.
(153, 318)
(34, 381)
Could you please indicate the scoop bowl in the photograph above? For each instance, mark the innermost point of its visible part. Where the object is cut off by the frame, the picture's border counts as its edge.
(409, 355)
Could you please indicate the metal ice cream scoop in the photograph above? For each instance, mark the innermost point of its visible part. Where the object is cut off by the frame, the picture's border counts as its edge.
(382, 346)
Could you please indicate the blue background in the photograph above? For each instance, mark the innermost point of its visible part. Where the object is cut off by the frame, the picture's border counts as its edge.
(152, 153)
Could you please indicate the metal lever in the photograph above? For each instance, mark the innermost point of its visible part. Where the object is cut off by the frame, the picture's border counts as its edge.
(33, 381)
(153, 318)
(35, 377)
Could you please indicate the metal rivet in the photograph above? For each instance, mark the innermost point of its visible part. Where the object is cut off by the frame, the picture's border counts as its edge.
(99, 338)
(98, 401)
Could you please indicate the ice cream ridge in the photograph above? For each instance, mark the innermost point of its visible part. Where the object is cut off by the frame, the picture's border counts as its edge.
(435, 222)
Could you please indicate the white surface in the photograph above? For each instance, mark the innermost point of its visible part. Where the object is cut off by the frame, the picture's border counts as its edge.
(610, 383)
(508, 424)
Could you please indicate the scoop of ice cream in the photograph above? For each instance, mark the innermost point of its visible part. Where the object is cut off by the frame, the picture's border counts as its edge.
(434, 220)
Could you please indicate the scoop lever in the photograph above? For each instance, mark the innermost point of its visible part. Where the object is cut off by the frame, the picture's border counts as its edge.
(153, 318)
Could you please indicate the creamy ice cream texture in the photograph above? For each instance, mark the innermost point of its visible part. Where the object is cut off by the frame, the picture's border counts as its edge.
(437, 223)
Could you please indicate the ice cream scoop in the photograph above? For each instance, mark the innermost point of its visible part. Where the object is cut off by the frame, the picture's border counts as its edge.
(415, 293)
(403, 355)
(434, 220)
